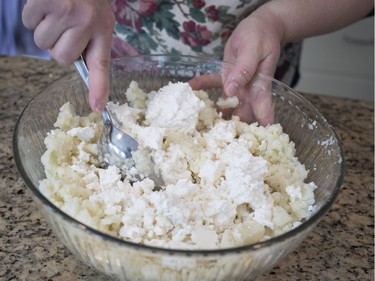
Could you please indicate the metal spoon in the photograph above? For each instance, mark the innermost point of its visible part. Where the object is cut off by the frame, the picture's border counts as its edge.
(115, 146)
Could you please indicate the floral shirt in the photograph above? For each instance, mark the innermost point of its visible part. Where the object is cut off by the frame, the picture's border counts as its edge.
(188, 27)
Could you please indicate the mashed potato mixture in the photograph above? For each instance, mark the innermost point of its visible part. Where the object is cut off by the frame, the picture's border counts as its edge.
(227, 183)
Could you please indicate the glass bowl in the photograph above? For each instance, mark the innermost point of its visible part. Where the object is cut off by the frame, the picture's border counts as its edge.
(317, 147)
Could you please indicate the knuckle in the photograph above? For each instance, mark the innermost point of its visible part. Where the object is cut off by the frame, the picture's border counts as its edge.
(245, 74)
(111, 19)
(90, 13)
(66, 7)
(100, 64)
(97, 15)
(104, 64)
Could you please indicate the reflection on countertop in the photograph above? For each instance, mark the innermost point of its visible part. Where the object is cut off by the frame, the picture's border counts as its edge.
(340, 248)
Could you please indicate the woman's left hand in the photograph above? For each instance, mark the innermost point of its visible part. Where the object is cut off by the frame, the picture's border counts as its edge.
(253, 47)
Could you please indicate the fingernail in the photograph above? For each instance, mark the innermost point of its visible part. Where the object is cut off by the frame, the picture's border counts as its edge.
(99, 107)
(232, 88)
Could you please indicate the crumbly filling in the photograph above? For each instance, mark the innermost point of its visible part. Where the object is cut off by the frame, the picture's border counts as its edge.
(227, 183)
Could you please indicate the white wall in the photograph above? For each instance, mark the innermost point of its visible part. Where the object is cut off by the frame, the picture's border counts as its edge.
(340, 63)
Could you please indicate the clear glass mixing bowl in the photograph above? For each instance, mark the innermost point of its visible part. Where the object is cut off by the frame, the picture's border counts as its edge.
(317, 147)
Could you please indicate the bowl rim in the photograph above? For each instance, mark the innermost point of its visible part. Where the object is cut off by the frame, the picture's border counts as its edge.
(310, 221)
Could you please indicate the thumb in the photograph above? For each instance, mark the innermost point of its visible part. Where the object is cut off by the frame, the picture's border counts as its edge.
(239, 74)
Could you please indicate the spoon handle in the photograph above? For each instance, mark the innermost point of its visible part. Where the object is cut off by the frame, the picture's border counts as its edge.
(82, 70)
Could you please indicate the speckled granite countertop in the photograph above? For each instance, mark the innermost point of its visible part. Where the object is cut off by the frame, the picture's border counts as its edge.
(340, 248)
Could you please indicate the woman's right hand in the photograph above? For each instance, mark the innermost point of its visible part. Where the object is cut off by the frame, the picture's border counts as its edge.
(68, 28)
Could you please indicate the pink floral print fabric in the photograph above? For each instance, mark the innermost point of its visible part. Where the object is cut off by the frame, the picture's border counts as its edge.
(186, 27)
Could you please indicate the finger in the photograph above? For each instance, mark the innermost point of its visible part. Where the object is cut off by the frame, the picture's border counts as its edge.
(98, 62)
(63, 52)
(206, 81)
(262, 102)
(99, 84)
(265, 111)
(245, 62)
(237, 79)
(46, 37)
(245, 112)
(256, 102)
(255, 98)
(32, 14)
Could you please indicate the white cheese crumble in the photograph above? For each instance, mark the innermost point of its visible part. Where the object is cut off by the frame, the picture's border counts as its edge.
(174, 107)
(227, 183)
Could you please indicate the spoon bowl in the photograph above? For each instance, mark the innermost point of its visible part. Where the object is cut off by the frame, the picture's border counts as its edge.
(117, 147)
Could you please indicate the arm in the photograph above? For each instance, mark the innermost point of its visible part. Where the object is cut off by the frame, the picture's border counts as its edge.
(255, 44)
(302, 19)
(70, 27)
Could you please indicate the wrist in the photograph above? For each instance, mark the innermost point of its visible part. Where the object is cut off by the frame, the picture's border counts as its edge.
(273, 22)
